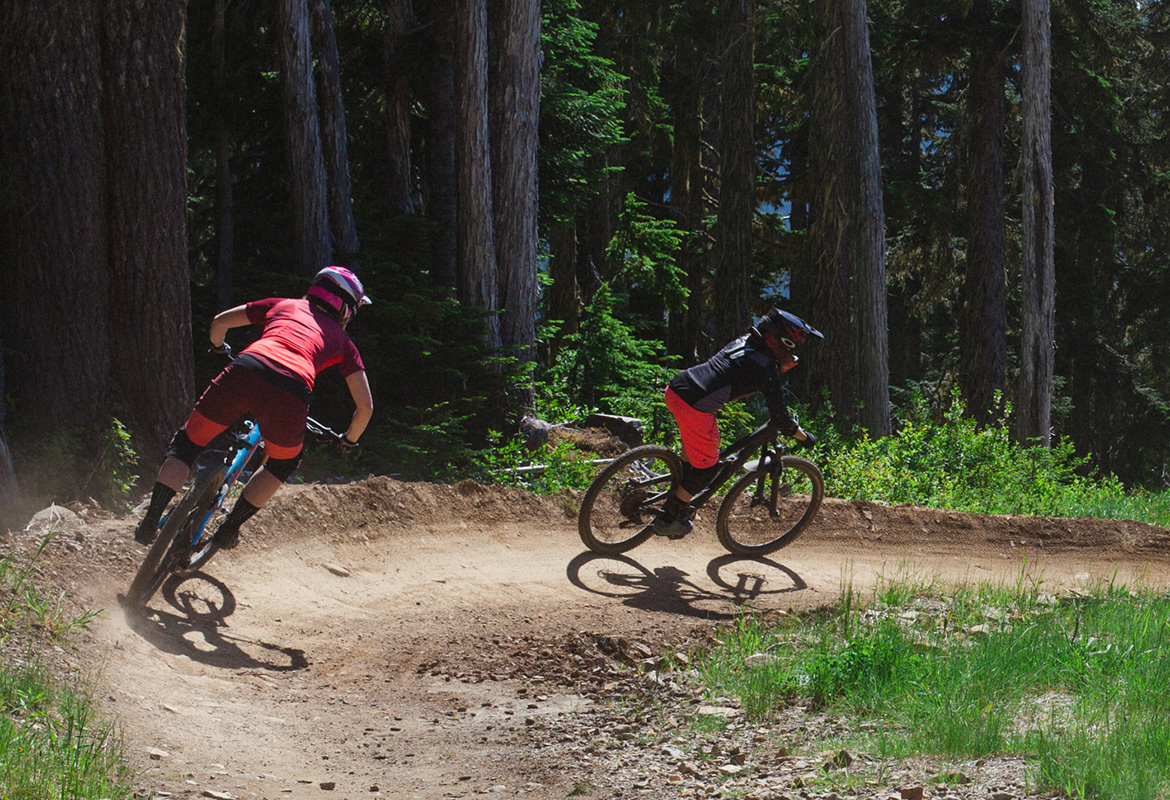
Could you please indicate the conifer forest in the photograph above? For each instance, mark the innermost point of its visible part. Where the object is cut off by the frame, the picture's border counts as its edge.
(556, 204)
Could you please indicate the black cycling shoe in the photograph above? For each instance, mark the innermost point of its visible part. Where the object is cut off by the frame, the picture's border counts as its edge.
(671, 528)
(227, 538)
(146, 531)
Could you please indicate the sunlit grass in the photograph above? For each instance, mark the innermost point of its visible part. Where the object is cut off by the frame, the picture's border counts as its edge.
(53, 744)
(1076, 685)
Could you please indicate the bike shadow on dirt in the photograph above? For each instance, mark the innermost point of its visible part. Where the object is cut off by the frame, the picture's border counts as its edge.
(194, 624)
(735, 581)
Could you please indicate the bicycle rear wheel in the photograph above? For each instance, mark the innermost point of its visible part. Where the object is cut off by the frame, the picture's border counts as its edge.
(624, 497)
(173, 542)
(765, 511)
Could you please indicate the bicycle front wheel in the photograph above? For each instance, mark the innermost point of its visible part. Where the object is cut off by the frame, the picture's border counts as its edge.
(173, 541)
(765, 511)
(624, 497)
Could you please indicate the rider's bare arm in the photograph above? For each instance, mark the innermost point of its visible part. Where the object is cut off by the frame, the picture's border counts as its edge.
(363, 400)
(226, 320)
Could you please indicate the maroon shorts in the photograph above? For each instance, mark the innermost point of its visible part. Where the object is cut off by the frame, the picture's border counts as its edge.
(698, 429)
(239, 390)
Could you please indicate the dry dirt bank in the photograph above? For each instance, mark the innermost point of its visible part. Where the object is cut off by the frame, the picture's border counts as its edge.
(403, 640)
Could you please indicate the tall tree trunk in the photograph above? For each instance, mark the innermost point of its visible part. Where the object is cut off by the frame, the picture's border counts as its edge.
(225, 226)
(737, 171)
(53, 308)
(144, 104)
(339, 190)
(1034, 394)
(399, 180)
(442, 191)
(983, 340)
(477, 274)
(514, 99)
(306, 163)
(849, 235)
(687, 185)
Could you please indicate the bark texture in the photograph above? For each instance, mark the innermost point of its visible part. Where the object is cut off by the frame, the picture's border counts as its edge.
(848, 237)
(399, 180)
(477, 276)
(737, 171)
(983, 341)
(515, 114)
(339, 187)
(144, 103)
(1037, 350)
(306, 164)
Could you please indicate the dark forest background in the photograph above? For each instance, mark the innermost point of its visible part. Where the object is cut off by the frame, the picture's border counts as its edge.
(555, 204)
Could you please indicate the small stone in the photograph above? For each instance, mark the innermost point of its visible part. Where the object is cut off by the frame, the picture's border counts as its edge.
(840, 760)
(912, 792)
(157, 754)
(327, 786)
(337, 570)
(759, 660)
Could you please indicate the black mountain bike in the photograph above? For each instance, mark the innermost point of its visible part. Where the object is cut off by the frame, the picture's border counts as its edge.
(766, 508)
(184, 544)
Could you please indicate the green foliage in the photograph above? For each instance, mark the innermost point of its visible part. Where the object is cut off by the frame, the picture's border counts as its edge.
(77, 464)
(52, 743)
(955, 464)
(582, 99)
(643, 248)
(547, 470)
(608, 367)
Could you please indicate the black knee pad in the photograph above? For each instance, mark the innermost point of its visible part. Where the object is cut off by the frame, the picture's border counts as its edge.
(695, 480)
(282, 468)
(182, 448)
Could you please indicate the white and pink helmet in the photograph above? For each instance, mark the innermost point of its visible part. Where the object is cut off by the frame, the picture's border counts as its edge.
(341, 290)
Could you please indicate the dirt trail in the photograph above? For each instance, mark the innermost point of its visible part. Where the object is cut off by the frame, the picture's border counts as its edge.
(399, 640)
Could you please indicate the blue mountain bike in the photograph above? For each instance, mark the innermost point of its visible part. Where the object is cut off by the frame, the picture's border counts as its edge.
(184, 544)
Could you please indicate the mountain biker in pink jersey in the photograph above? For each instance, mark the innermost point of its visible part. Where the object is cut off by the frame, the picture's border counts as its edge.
(752, 363)
(272, 381)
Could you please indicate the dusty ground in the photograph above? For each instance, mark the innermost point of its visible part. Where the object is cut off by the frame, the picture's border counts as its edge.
(402, 640)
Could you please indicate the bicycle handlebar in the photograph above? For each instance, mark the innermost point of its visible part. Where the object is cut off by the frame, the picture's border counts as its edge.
(320, 429)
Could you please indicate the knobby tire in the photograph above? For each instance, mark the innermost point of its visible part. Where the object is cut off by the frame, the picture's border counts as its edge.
(172, 544)
(764, 511)
(618, 506)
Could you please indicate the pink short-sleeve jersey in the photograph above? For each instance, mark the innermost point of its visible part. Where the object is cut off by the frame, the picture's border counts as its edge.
(302, 338)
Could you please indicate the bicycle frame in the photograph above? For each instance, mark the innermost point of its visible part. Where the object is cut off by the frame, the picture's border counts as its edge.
(237, 458)
(732, 457)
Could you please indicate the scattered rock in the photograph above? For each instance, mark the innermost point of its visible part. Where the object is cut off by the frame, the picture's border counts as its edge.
(337, 570)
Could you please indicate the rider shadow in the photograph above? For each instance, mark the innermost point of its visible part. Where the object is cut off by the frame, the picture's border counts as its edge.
(199, 628)
(669, 589)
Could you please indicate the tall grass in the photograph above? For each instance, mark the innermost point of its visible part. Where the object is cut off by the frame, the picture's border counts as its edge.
(1077, 685)
(53, 744)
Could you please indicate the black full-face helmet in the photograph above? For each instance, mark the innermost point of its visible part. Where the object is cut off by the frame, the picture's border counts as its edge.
(787, 332)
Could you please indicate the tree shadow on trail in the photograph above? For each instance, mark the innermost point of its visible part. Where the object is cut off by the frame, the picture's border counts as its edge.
(735, 581)
(195, 625)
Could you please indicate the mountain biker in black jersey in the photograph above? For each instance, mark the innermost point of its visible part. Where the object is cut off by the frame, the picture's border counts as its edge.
(755, 362)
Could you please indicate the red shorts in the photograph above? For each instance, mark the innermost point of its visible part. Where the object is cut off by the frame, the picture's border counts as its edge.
(239, 390)
(698, 429)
